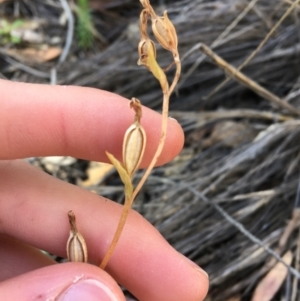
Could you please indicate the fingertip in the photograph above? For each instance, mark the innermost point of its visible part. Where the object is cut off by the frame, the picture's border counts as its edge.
(64, 282)
(43, 120)
(201, 284)
(18, 258)
(175, 138)
(173, 143)
(152, 269)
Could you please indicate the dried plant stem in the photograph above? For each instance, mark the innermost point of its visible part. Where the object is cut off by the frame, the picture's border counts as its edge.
(261, 44)
(117, 235)
(165, 33)
(243, 230)
(159, 149)
(128, 203)
(165, 110)
(217, 42)
(177, 73)
(246, 81)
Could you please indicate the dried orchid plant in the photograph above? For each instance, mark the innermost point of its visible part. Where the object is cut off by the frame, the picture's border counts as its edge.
(135, 137)
(134, 142)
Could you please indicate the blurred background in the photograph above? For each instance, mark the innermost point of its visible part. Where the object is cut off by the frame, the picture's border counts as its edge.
(230, 201)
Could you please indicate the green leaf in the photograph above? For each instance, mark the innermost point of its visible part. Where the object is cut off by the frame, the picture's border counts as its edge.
(155, 68)
(84, 26)
(15, 40)
(123, 175)
(17, 23)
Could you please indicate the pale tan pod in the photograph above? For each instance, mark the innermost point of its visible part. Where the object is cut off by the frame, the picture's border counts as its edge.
(146, 48)
(165, 33)
(76, 246)
(133, 147)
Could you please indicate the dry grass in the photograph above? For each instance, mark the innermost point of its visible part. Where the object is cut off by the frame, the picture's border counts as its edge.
(241, 152)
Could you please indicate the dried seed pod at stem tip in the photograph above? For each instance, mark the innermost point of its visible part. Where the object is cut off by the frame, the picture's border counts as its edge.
(134, 142)
(135, 138)
(76, 246)
(135, 104)
(133, 150)
(165, 33)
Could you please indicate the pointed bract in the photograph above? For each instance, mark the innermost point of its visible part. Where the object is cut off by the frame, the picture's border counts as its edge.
(126, 179)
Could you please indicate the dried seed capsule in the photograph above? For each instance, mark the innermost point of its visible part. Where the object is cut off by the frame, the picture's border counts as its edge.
(76, 246)
(133, 147)
(165, 33)
(147, 51)
(134, 141)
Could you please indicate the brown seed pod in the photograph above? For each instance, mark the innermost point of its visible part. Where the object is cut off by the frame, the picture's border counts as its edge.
(146, 50)
(134, 142)
(76, 246)
(165, 33)
(133, 147)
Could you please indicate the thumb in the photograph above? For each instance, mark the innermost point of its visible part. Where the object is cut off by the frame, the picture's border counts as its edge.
(62, 282)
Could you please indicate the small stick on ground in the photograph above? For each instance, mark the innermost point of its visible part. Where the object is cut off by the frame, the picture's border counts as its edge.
(262, 43)
(246, 81)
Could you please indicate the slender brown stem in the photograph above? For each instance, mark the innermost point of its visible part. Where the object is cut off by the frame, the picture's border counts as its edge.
(177, 73)
(128, 202)
(163, 134)
(159, 149)
(117, 235)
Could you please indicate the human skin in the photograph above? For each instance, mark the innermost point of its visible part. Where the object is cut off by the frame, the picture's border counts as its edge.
(41, 120)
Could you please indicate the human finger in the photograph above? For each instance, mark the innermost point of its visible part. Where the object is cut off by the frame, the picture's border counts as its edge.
(17, 258)
(62, 282)
(43, 120)
(143, 261)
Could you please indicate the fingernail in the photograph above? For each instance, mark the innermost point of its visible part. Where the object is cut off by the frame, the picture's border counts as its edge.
(89, 290)
(172, 118)
(196, 267)
(201, 271)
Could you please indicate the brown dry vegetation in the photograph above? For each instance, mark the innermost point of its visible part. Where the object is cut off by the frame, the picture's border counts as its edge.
(225, 202)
